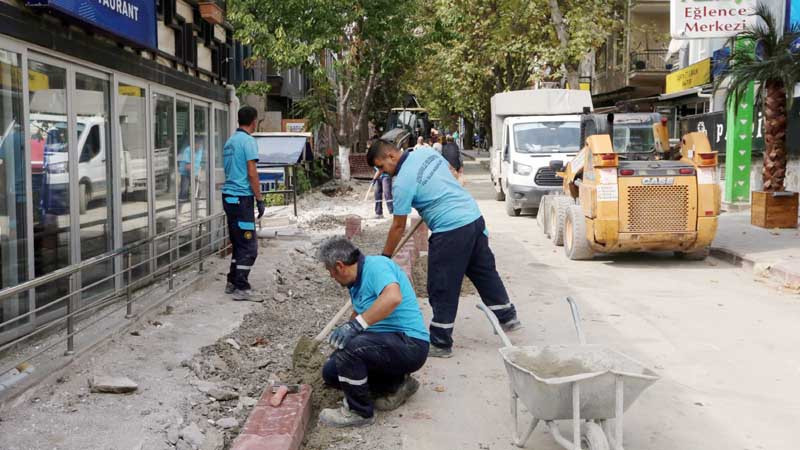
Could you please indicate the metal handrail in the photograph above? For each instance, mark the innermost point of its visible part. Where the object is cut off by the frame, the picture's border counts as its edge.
(211, 239)
(74, 268)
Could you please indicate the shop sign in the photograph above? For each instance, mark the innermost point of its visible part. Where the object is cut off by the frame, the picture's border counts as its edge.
(714, 126)
(702, 19)
(134, 20)
(697, 74)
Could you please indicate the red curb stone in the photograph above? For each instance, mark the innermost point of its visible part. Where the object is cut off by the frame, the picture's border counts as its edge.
(352, 226)
(280, 428)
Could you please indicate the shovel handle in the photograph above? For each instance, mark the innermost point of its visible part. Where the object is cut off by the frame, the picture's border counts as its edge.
(576, 318)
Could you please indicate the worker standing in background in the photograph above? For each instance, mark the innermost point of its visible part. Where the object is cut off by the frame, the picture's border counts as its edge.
(382, 344)
(452, 154)
(239, 193)
(459, 243)
(383, 190)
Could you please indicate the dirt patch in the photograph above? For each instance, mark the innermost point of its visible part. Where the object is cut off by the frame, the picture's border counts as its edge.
(275, 342)
(420, 276)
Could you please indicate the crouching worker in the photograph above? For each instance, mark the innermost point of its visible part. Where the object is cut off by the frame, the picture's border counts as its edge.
(382, 344)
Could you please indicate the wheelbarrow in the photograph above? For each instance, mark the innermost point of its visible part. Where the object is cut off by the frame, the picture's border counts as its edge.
(588, 384)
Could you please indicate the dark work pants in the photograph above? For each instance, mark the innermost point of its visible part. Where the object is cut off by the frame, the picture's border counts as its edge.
(242, 232)
(373, 364)
(383, 189)
(451, 255)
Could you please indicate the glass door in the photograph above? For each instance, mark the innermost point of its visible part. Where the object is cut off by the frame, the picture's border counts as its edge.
(13, 189)
(50, 171)
(163, 161)
(202, 143)
(134, 169)
(91, 101)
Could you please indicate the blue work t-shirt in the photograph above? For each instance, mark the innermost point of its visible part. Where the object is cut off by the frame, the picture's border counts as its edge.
(374, 274)
(185, 159)
(240, 148)
(424, 182)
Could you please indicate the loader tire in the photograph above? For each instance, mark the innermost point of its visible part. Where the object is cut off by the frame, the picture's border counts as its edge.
(541, 213)
(544, 213)
(576, 245)
(558, 212)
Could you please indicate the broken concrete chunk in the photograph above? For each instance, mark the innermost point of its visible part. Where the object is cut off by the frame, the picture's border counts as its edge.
(248, 401)
(173, 434)
(227, 422)
(183, 445)
(112, 385)
(221, 395)
(233, 343)
(193, 435)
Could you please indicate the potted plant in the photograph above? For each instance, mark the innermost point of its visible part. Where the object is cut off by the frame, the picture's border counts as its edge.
(774, 67)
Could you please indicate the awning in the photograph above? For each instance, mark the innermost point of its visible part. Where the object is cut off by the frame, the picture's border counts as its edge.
(679, 94)
(283, 150)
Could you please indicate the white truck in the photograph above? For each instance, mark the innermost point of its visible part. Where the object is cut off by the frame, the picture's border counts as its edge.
(529, 129)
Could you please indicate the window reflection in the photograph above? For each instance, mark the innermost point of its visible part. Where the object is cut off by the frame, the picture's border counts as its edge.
(13, 198)
(164, 168)
(133, 167)
(50, 179)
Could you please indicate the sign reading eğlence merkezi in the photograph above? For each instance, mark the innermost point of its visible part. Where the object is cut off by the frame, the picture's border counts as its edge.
(701, 19)
(134, 20)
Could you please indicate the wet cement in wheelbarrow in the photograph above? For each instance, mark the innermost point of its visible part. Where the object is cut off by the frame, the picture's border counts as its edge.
(550, 364)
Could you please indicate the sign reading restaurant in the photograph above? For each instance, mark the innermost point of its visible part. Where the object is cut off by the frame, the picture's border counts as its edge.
(133, 20)
(701, 19)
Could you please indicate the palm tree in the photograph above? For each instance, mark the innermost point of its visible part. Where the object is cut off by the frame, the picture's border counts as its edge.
(775, 69)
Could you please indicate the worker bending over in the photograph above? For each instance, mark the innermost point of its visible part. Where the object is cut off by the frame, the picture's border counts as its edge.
(382, 344)
(241, 189)
(459, 243)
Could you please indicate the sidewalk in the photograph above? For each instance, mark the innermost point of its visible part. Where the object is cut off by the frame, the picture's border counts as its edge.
(774, 251)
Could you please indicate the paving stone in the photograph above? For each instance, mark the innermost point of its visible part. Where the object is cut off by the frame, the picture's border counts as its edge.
(112, 385)
(281, 428)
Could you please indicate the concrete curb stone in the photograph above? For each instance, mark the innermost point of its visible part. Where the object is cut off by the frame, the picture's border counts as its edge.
(281, 428)
(780, 271)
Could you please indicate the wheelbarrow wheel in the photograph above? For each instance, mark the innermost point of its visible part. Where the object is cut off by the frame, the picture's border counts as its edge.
(593, 438)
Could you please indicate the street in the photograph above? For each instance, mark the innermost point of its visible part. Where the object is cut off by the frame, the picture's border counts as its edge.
(724, 345)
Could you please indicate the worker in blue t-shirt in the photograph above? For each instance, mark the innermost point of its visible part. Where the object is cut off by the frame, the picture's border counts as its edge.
(459, 243)
(382, 344)
(241, 190)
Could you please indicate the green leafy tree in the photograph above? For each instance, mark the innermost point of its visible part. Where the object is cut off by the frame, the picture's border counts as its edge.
(347, 47)
(776, 70)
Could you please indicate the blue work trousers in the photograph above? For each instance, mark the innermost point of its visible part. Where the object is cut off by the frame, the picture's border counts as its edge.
(451, 255)
(373, 364)
(383, 189)
(242, 231)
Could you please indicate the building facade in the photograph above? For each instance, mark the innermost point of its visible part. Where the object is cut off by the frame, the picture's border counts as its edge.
(113, 115)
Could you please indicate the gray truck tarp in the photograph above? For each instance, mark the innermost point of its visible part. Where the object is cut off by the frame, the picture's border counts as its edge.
(535, 102)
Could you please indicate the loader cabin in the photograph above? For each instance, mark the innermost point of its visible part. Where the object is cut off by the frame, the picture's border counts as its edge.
(635, 192)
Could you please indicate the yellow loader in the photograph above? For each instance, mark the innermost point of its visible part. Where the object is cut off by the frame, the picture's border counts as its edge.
(628, 191)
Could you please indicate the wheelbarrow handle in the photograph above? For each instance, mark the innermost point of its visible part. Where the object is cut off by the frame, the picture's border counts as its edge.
(495, 324)
(576, 318)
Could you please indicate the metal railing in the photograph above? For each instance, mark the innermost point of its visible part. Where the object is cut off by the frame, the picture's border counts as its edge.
(649, 61)
(166, 254)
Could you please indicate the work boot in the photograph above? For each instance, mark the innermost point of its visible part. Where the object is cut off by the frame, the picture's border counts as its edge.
(511, 325)
(379, 216)
(229, 288)
(390, 402)
(343, 417)
(241, 295)
(440, 352)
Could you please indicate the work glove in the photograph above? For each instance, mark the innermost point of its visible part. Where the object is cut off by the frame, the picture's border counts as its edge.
(261, 208)
(344, 333)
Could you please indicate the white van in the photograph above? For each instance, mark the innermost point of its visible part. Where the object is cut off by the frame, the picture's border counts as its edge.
(529, 129)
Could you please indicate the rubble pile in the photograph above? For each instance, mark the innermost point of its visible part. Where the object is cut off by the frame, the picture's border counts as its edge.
(231, 375)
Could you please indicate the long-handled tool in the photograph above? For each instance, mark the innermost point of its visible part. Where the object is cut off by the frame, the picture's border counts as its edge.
(369, 189)
(346, 307)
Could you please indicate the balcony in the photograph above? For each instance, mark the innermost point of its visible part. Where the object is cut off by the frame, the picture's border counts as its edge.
(648, 66)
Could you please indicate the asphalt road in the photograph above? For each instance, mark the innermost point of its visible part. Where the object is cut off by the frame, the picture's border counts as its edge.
(723, 343)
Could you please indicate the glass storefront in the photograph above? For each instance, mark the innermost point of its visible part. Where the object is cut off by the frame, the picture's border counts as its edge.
(49, 143)
(13, 201)
(221, 133)
(82, 182)
(132, 107)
